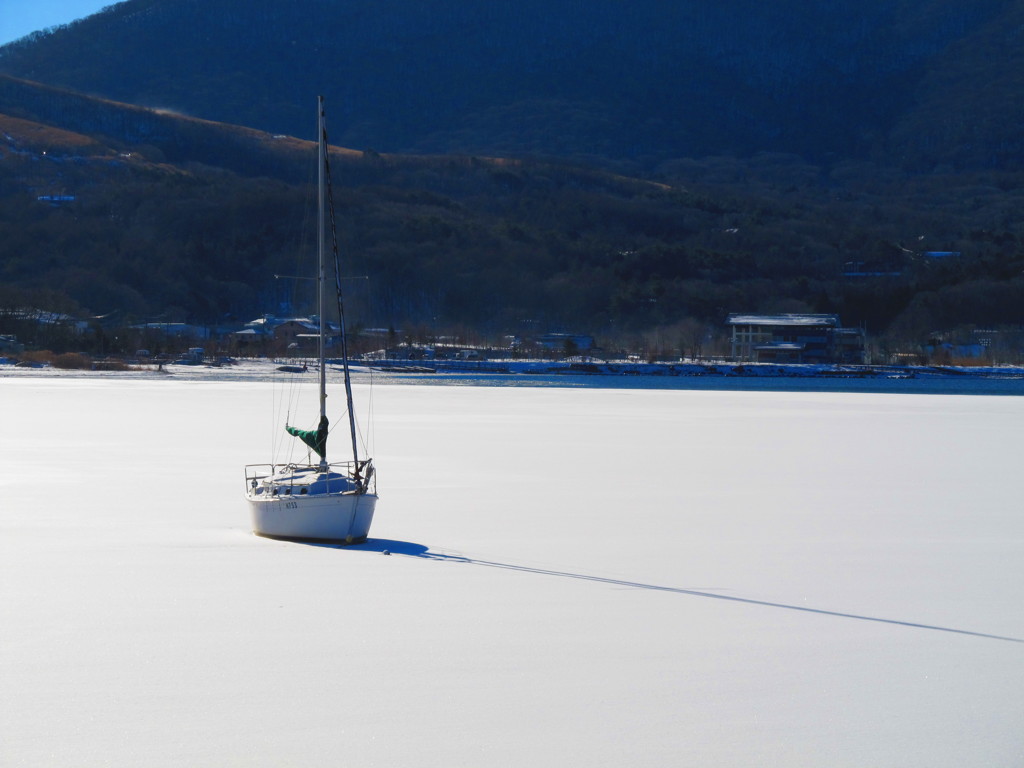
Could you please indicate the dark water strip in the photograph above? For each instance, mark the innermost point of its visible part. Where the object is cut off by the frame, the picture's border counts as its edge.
(930, 385)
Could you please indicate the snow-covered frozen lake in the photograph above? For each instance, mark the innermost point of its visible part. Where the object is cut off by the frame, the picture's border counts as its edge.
(578, 577)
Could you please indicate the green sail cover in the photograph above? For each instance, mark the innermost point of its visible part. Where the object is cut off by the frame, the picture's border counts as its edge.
(314, 438)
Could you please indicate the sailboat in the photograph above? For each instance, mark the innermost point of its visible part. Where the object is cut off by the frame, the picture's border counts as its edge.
(320, 499)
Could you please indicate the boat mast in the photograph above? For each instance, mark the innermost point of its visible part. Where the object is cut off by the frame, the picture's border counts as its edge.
(325, 169)
(321, 283)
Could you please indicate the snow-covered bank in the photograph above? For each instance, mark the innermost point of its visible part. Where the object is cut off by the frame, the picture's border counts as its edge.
(598, 577)
(1001, 380)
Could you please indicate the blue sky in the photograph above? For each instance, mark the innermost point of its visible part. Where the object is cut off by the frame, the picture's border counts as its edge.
(20, 17)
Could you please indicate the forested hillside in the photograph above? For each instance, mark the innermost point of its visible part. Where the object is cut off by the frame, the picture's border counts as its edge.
(597, 166)
(900, 82)
(157, 228)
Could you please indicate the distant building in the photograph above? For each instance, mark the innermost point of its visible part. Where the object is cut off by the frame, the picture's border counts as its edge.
(46, 318)
(298, 334)
(794, 338)
(565, 342)
(175, 330)
(297, 331)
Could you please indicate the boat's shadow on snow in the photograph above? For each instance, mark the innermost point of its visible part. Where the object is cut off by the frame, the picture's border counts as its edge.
(410, 549)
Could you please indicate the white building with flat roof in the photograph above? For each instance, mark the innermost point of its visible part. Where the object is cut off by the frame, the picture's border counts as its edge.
(794, 338)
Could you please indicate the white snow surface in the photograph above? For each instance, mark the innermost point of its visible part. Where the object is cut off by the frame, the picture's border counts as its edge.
(578, 577)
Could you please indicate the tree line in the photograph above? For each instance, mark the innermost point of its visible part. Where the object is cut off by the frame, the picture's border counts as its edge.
(505, 246)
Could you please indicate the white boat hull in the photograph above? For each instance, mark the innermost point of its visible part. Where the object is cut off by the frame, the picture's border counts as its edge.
(342, 518)
(323, 502)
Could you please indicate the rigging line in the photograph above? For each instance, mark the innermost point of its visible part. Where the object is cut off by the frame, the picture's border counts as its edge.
(369, 415)
(369, 442)
(283, 405)
(275, 397)
(292, 388)
(337, 292)
(367, 438)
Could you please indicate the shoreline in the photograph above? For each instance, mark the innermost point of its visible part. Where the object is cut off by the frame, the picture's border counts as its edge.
(991, 380)
(692, 369)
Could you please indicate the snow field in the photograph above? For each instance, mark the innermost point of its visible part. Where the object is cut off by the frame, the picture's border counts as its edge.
(578, 577)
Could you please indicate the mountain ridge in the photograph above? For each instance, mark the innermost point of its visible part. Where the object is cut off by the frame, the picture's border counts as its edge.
(174, 217)
(514, 206)
(597, 81)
